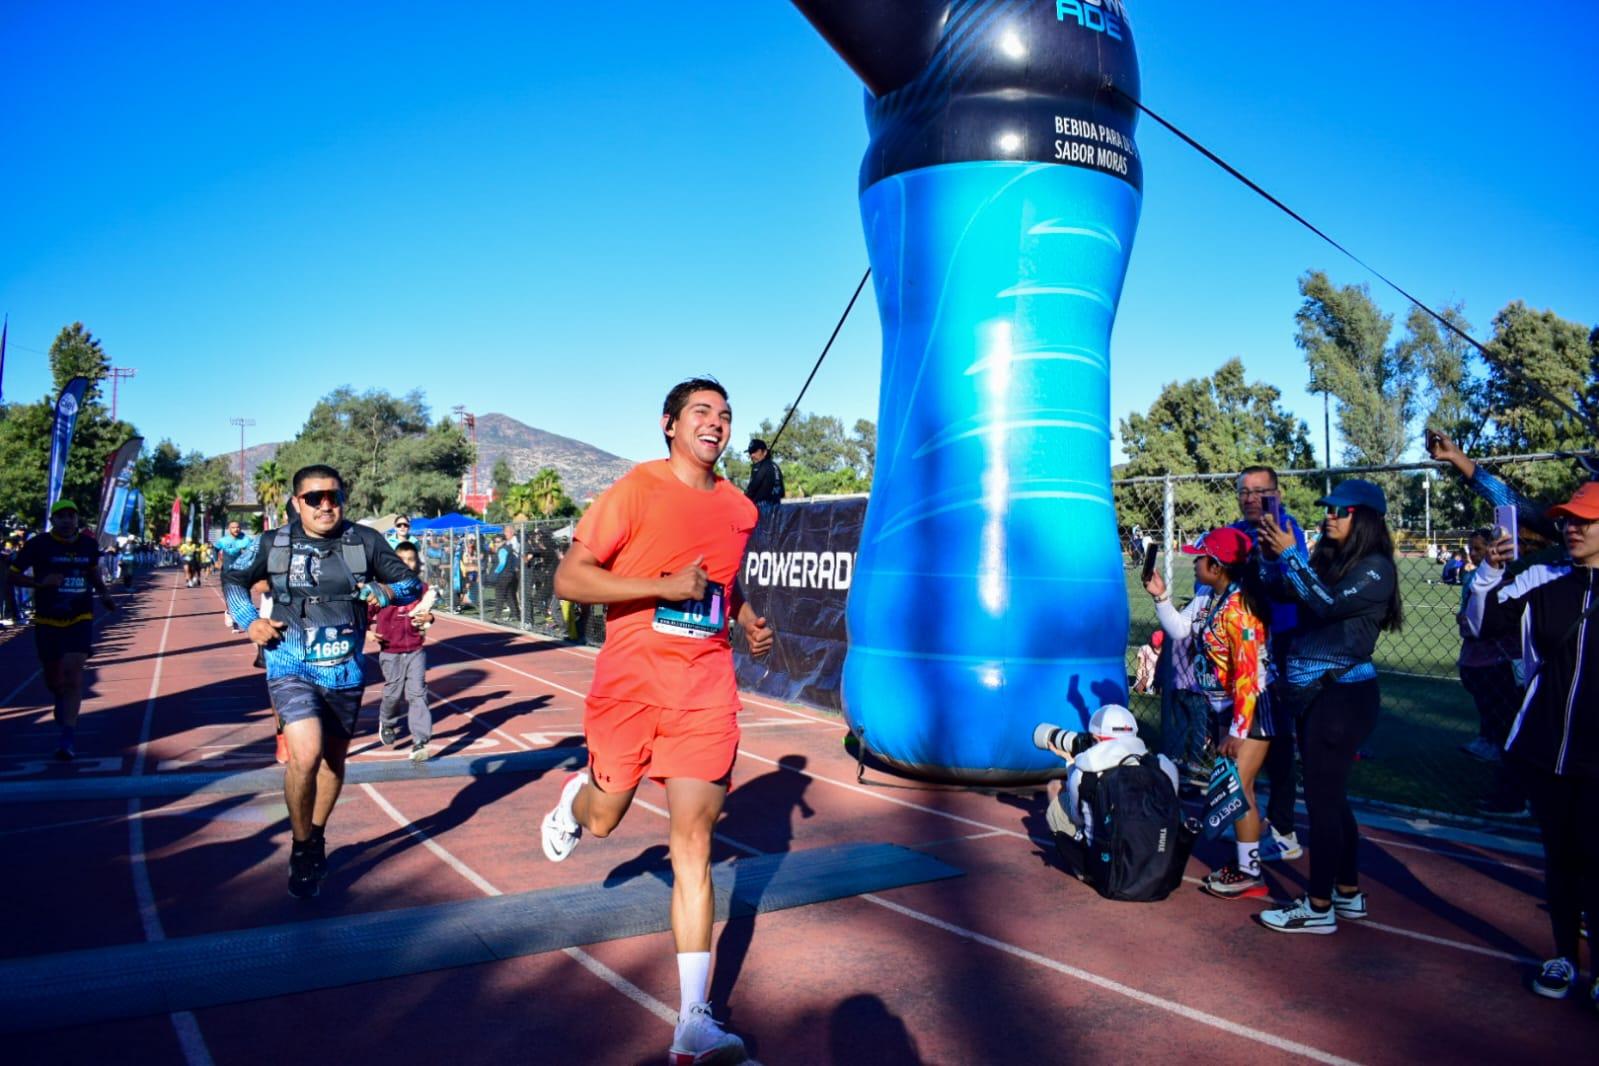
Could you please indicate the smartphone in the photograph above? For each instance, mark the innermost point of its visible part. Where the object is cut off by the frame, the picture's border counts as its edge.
(1272, 503)
(1505, 523)
(1150, 555)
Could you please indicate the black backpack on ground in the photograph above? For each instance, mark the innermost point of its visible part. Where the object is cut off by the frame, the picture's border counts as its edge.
(1141, 840)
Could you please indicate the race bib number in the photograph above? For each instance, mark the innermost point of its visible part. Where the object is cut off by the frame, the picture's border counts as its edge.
(71, 583)
(701, 619)
(329, 645)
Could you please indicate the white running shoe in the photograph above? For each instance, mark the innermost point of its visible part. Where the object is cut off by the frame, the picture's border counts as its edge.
(1300, 917)
(699, 1040)
(1350, 908)
(1280, 847)
(560, 830)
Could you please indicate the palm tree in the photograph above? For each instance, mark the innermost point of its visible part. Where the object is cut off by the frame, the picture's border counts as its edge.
(271, 486)
(520, 502)
(546, 490)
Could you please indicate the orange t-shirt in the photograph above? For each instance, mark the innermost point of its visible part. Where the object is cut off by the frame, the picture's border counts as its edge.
(648, 524)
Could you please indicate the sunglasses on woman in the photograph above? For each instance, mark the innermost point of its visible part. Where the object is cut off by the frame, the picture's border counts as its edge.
(1345, 511)
(324, 498)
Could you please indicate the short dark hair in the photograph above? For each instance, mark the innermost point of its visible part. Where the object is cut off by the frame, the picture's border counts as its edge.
(1246, 471)
(305, 473)
(407, 546)
(677, 399)
(1485, 532)
(399, 517)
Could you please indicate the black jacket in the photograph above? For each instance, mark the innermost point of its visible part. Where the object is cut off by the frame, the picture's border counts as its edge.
(766, 483)
(1557, 730)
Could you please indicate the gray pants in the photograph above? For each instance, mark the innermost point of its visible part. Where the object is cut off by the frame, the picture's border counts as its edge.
(404, 677)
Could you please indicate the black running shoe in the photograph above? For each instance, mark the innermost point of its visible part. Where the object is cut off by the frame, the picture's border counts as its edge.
(389, 733)
(1555, 978)
(303, 880)
(318, 847)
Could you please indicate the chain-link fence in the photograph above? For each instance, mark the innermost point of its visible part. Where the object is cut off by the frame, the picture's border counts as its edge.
(506, 575)
(1435, 743)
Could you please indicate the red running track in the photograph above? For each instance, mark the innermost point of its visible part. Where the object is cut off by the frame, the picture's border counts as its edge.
(1014, 962)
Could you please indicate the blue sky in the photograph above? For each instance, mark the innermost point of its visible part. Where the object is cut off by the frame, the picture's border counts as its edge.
(556, 210)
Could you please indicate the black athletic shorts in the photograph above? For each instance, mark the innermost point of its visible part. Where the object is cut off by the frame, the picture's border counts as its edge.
(294, 698)
(55, 641)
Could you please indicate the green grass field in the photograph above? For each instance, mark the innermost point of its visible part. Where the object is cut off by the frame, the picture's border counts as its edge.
(1426, 714)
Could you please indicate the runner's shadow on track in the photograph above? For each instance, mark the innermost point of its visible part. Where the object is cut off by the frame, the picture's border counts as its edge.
(171, 653)
(350, 861)
(863, 1030)
(655, 860)
(1385, 869)
(758, 815)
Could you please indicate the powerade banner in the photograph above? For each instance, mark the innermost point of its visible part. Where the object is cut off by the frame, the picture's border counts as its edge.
(797, 573)
(114, 491)
(999, 195)
(67, 406)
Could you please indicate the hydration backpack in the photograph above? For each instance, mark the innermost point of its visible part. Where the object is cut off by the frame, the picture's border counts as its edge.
(327, 608)
(1141, 842)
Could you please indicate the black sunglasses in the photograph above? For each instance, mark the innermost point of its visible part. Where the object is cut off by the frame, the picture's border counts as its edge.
(331, 497)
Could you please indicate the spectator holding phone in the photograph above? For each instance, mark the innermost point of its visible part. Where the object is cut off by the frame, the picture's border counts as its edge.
(1554, 741)
(1232, 668)
(1185, 736)
(1347, 591)
(1488, 674)
(1259, 495)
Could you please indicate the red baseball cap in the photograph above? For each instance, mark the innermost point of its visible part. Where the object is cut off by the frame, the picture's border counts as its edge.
(1226, 545)
(1584, 504)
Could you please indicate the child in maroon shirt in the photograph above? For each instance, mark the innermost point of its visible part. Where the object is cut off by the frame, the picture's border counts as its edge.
(403, 660)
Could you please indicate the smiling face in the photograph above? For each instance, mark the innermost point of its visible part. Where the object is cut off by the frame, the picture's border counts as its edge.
(701, 432)
(321, 505)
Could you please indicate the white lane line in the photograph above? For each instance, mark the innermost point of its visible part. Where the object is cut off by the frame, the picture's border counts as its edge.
(184, 1023)
(1105, 983)
(1484, 860)
(1427, 938)
(481, 883)
(1271, 1040)
(745, 752)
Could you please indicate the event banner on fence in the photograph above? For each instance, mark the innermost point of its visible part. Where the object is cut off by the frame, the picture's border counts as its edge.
(797, 573)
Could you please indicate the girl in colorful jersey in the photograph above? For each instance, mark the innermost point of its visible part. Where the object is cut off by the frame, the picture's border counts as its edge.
(1233, 671)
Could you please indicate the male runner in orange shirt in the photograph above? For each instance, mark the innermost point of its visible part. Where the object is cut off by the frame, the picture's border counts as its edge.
(662, 547)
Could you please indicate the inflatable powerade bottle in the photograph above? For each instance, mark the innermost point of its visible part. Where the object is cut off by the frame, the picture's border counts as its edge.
(1000, 192)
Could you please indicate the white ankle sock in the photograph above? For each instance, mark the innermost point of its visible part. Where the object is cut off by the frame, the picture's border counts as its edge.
(566, 808)
(693, 977)
(1249, 857)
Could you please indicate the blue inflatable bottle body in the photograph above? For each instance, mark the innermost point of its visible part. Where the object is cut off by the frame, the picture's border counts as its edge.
(1000, 195)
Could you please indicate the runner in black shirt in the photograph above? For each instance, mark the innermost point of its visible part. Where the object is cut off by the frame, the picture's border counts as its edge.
(66, 578)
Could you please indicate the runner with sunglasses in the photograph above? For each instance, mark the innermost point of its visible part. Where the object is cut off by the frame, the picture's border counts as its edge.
(1347, 590)
(321, 571)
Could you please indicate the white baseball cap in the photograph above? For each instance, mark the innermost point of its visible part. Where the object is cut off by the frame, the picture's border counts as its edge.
(1113, 720)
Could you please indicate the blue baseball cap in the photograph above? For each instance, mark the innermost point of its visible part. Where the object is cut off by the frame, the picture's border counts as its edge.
(1356, 492)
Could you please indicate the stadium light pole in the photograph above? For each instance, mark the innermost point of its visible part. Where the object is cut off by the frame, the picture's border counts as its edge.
(241, 423)
(470, 421)
(117, 374)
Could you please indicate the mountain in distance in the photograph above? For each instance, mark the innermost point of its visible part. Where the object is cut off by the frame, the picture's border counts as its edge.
(585, 470)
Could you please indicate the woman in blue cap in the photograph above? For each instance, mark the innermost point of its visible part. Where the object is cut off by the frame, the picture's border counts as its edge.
(1348, 590)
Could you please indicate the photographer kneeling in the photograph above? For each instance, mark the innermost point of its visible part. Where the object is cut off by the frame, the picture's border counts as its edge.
(1116, 818)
